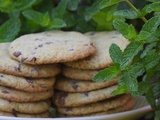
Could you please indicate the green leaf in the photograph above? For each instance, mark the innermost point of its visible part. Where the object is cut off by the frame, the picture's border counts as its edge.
(92, 10)
(107, 3)
(107, 73)
(9, 30)
(149, 28)
(143, 87)
(128, 31)
(56, 24)
(115, 53)
(143, 35)
(151, 59)
(5, 3)
(73, 4)
(152, 24)
(147, 49)
(104, 18)
(128, 14)
(157, 113)
(20, 5)
(127, 83)
(154, 7)
(151, 98)
(137, 68)
(37, 17)
(60, 10)
(129, 52)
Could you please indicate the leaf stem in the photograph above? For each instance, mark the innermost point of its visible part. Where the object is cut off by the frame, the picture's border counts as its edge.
(134, 8)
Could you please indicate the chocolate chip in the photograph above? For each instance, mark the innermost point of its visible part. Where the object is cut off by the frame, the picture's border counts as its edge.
(91, 33)
(23, 59)
(43, 86)
(48, 43)
(33, 86)
(86, 94)
(14, 112)
(18, 68)
(33, 59)
(61, 99)
(40, 45)
(74, 85)
(5, 91)
(38, 39)
(1, 75)
(68, 109)
(17, 53)
(29, 80)
(71, 49)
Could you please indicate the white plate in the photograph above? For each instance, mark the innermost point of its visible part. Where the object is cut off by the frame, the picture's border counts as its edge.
(141, 108)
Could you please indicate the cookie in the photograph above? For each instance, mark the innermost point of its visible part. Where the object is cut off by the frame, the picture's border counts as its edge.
(13, 67)
(127, 106)
(51, 47)
(65, 99)
(78, 74)
(101, 106)
(31, 107)
(23, 115)
(70, 85)
(27, 84)
(22, 96)
(101, 59)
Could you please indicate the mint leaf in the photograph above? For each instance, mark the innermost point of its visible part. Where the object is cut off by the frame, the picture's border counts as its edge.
(154, 7)
(107, 3)
(147, 49)
(56, 24)
(92, 10)
(19, 5)
(5, 3)
(151, 59)
(129, 52)
(152, 24)
(73, 4)
(149, 28)
(60, 10)
(107, 73)
(128, 31)
(137, 68)
(143, 87)
(115, 53)
(127, 83)
(129, 14)
(151, 98)
(37, 17)
(105, 16)
(9, 30)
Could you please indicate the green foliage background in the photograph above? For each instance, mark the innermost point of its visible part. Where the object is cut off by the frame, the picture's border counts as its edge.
(137, 20)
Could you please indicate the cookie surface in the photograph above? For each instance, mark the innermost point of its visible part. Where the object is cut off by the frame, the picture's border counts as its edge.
(78, 74)
(22, 96)
(23, 115)
(65, 99)
(31, 107)
(27, 84)
(51, 47)
(101, 106)
(13, 67)
(70, 85)
(127, 106)
(101, 59)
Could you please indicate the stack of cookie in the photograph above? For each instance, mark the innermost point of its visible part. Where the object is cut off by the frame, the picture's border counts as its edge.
(25, 90)
(27, 79)
(78, 95)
